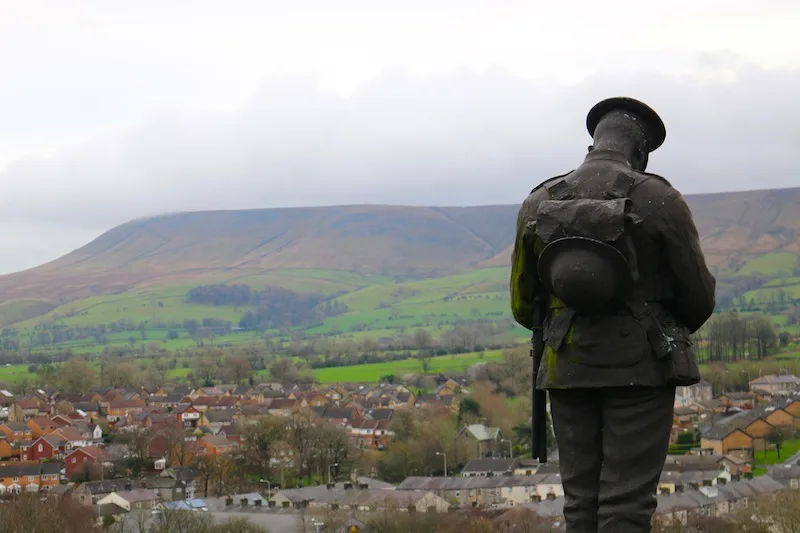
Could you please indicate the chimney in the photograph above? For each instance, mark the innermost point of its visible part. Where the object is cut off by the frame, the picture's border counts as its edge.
(354, 476)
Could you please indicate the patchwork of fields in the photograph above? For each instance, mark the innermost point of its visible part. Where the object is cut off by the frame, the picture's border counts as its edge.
(377, 307)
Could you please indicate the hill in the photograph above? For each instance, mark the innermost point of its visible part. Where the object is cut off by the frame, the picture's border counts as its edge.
(327, 250)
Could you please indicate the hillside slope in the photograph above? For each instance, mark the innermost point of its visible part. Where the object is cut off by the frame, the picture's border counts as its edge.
(392, 241)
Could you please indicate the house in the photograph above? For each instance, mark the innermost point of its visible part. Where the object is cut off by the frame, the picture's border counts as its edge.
(526, 467)
(41, 426)
(686, 417)
(216, 418)
(206, 403)
(489, 491)
(791, 406)
(90, 492)
(47, 447)
(489, 467)
(186, 475)
(133, 499)
(119, 409)
(189, 504)
(16, 431)
(169, 489)
(283, 406)
(24, 410)
(7, 449)
(359, 497)
(370, 433)
(216, 445)
(16, 478)
(727, 439)
(741, 400)
(81, 458)
(485, 438)
(22, 450)
(88, 410)
(787, 474)
(699, 392)
(448, 388)
(712, 501)
(72, 437)
(773, 385)
(188, 416)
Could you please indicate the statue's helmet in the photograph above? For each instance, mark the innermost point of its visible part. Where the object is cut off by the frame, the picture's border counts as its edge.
(587, 275)
(651, 123)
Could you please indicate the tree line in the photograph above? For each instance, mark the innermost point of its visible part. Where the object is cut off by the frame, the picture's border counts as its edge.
(734, 336)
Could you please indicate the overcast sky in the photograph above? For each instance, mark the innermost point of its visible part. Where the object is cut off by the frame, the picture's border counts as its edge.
(112, 109)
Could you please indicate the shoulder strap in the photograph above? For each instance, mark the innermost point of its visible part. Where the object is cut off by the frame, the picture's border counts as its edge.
(621, 186)
(545, 182)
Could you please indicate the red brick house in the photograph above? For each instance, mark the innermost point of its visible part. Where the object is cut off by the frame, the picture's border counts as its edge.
(75, 460)
(47, 447)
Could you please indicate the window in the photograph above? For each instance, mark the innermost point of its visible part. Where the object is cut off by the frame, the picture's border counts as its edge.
(40, 448)
(73, 459)
(15, 479)
(30, 478)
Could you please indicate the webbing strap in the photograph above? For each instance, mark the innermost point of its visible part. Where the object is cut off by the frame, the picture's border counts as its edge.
(660, 342)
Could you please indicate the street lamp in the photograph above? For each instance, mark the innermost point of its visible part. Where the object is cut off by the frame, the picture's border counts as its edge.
(444, 455)
(329, 471)
(269, 488)
(510, 448)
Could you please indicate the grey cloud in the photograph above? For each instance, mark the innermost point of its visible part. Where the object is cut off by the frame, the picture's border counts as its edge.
(454, 139)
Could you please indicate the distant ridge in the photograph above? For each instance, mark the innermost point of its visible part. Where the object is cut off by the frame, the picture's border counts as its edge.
(398, 241)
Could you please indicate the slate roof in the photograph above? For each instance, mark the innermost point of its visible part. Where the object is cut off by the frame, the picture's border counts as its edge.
(490, 465)
(482, 432)
(476, 482)
(21, 470)
(735, 490)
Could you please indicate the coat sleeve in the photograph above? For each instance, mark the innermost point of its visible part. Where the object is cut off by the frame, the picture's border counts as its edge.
(693, 283)
(524, 278)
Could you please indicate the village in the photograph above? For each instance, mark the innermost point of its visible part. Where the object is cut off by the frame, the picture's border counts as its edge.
(81, 446)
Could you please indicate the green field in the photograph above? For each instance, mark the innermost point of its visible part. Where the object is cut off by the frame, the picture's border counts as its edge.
(769, 264)
(378, 307)
(764, 459)
(366, 373)
(371, 373)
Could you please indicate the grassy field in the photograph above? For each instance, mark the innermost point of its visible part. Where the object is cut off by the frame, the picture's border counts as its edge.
(769, 264)
(371, 373)
(378, 307)
(366, 373)
(764, 459)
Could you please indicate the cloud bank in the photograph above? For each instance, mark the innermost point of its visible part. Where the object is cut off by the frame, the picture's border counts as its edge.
(457, 138)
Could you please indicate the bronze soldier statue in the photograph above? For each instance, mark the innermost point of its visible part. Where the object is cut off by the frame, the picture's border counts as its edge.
(611, 256)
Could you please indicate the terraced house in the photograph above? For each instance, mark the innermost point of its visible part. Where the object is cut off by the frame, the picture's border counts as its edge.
(16, 478)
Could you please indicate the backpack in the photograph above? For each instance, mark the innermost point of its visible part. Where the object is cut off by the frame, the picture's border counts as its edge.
(589, 263)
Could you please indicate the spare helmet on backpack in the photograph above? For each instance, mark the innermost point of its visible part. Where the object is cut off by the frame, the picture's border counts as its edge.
(589, 260)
